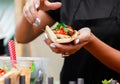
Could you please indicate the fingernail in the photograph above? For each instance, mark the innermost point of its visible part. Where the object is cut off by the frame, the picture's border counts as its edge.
(77, 41)
(36, 5)
(52, 46)
(46, 37)
(37, 22)
(35, 25)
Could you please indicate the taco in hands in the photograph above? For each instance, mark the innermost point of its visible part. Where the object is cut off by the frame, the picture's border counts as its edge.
(61, 33)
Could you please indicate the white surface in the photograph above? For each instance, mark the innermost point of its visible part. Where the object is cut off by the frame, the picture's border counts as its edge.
(7, 19)
(40, 49)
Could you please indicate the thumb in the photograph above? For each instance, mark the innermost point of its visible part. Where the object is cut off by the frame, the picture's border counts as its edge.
(84, 35)
(52, 6)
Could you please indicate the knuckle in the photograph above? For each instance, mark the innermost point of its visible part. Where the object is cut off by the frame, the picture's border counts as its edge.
(26, 10)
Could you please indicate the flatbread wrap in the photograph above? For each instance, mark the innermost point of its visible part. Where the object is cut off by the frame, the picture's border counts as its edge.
(61, 33)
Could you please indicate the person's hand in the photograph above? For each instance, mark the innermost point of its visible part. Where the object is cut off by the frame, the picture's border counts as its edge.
(31, 8)
(70, 48)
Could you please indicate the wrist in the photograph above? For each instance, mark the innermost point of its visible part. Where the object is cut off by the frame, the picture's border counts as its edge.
(90, 40)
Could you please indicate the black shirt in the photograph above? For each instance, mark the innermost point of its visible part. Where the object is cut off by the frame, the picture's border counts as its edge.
(102, 17)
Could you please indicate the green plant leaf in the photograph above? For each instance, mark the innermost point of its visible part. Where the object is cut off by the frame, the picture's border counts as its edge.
(106, 81)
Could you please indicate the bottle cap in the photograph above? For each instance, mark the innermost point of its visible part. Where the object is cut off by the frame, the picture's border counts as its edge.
(72, 82)
(38, 82)
(7, 81)
(50, 80)
(80, 81)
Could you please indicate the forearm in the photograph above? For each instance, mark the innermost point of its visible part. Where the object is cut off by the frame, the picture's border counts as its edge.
(23, 30)
(104, 53)
(26, 32)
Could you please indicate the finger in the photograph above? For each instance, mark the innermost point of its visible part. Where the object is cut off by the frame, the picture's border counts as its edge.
(86, 30)
(27, 18)
(33, 10)
(65, 49)
(47, 40)
(56, 50)
(28, 15)
(27, 12)
(52, 6)
(34, 13)
(84, 35)
(62, 47)
(68, 48)
(52, 46)
(36, 4)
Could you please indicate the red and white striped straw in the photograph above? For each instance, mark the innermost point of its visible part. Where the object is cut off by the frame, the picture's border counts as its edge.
(11, 47)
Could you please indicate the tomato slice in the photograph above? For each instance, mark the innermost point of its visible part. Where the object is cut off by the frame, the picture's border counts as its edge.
(2, 72)
(63, 29)
(60, 32)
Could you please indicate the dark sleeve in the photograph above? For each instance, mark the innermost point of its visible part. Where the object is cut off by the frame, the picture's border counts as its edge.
(55, 14)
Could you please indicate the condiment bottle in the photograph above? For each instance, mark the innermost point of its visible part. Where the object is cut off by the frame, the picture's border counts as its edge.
(22, 79)
(7, 81)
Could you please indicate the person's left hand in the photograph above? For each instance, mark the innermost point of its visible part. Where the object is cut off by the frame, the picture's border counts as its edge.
(70, 48)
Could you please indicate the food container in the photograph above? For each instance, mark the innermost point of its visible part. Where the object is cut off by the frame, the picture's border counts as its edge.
(33, 68)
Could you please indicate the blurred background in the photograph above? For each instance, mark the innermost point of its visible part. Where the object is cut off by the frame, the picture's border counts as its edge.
(10, 13)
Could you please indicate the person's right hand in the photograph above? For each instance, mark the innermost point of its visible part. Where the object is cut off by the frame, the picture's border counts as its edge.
(31, 8)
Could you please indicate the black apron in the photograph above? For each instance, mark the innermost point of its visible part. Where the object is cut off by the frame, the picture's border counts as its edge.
(102, 17)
